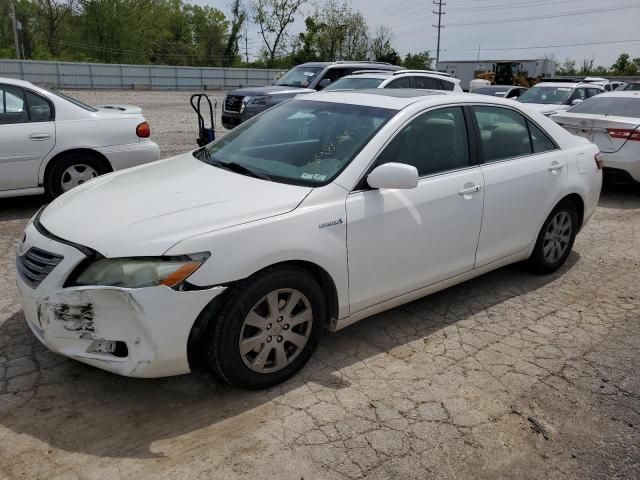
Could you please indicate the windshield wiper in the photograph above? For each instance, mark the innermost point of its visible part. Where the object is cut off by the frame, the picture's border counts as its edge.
(231, 166)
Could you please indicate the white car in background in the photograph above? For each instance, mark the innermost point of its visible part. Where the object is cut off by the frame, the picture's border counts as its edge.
(421, 79)
(608, 85)
(612, 122)
(552, 97)
(51, 143)
(319, 212)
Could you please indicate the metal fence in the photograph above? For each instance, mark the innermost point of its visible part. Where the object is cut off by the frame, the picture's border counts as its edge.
(117, 76)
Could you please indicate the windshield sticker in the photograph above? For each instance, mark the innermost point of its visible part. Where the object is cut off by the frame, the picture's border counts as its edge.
(564, 89)
(313, 176)
(308, 74)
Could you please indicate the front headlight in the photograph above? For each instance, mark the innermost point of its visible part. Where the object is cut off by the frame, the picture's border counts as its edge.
(138, 272)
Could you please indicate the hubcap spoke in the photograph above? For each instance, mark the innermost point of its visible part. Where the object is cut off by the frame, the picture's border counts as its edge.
(77, 175)
(276, 330)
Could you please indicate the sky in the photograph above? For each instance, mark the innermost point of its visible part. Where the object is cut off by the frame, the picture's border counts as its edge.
(469, 31)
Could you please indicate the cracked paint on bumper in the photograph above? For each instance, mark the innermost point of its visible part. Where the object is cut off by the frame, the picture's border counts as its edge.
(153, 322)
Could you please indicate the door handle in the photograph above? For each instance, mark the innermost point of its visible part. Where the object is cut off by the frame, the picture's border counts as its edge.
(470, 190)
(40, 136)
(556, 166)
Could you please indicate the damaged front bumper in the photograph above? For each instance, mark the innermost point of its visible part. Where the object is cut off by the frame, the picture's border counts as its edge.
(133, 332)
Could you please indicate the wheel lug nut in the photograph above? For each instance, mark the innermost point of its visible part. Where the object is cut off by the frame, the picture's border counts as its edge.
(286, 326)
(280, 319)
(269, 327)
(269, 338)
(280, 339)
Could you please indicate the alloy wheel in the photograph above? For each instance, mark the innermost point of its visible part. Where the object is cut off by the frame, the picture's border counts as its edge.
(276, 330)
(557, 237)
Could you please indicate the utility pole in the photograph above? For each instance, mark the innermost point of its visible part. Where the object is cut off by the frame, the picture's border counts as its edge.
(246, 45)
(12, 12)
(439, 4)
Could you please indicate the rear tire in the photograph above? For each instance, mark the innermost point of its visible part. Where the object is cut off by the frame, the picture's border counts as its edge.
(555, 239)
(268, 328)
(73, 169)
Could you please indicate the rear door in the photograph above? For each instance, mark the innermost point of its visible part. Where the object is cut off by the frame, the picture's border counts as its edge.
(27, 134)
(524, 173)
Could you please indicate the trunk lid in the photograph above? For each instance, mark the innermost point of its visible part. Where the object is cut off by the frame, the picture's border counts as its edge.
(609, 133)
(124, 109)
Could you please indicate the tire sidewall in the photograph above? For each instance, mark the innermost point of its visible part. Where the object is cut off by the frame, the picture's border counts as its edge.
(537, 260)
(53, 181)
(224, 350)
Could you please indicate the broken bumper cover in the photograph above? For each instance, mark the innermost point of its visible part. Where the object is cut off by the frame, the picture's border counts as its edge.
(154, 323)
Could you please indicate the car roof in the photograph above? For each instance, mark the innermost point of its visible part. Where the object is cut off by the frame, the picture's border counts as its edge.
(400, 74)
(622, 93)
(499, 87)
(17, 82)
(567, 84)
(351, 64)
(398, 99)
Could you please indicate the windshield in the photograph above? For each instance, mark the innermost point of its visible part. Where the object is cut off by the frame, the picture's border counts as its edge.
(498, 92)
(75, 101)
(299, 142)
(298, 77)
(547, 95)
(355, 84)
(620, 107)
(632, 86)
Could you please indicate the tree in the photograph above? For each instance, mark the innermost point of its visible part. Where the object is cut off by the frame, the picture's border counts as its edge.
(568, 67)
(587, 66)
(273, 18)
(381, 48)
(237, 21)
(621, 64)
(50, 15)
(419, 61)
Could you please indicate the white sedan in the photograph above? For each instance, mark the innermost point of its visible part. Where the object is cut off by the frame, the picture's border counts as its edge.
(313, 215)
(51, 143)
(612, 122)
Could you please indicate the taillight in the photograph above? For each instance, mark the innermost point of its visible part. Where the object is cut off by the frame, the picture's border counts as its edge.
(599, 158)
(143, 130)
(624, 134)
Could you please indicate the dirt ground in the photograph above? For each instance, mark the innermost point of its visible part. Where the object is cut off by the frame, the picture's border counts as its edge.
(506, 376)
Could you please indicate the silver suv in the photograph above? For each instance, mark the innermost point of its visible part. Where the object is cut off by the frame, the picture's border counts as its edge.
(244, 103)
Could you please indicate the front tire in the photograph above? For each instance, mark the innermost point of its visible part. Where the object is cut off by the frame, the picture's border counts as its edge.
(268, 328)
(555, 239)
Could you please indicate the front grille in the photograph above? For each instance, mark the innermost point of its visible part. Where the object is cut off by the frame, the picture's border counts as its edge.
(233, 103)
(34, 266)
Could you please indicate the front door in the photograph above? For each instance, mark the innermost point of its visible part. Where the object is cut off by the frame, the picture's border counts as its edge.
(27, 134)
(403, 240)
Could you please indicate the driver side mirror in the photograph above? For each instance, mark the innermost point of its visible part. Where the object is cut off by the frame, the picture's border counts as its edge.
(325, 82)
(393, 175)
(576, 101)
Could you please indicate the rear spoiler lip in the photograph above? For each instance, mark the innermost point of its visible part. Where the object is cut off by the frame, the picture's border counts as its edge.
(124, 109)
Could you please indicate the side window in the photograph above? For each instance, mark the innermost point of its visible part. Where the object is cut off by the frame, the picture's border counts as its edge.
(593, 92)
(540, 141)
(578, 94)
(444, 85)
(400, 83)
(434, 142)
(13, 108)
(503, 133)
(335, 73)
(427, 82)
(39, 108)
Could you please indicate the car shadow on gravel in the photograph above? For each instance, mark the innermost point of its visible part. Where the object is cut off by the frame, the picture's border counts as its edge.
(19, 208)
(77, 408)
(620, 196)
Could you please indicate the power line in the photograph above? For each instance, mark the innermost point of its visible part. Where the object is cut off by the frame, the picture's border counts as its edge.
(611, 42)
(541, 17)
(502, 6)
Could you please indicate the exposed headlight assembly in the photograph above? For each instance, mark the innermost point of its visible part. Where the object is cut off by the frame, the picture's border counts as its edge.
(137, 272)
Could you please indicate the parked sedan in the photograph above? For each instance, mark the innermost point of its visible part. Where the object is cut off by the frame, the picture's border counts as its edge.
(552, 97)
(502, 91)
(612, 122)
(50, 142)
(318, 213)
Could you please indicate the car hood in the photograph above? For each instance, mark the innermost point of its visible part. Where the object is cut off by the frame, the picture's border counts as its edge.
(270, 90)
(546, 108)
(146, 210)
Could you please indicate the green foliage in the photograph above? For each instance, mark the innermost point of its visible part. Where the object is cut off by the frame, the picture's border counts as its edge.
(419, 61)
(171, 32)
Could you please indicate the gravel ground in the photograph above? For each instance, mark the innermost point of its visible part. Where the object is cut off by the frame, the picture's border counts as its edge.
(506, 376)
